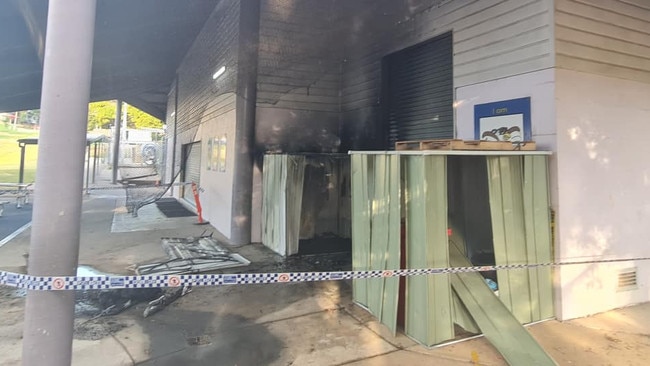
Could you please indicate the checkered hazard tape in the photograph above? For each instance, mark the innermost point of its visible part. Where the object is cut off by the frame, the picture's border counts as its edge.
(45, 283)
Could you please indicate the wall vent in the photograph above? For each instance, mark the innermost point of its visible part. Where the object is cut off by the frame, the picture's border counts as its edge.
(627, 279)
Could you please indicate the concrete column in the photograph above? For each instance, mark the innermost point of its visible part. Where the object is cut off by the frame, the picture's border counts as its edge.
(116, 139)
(249, 30)
(54, 245)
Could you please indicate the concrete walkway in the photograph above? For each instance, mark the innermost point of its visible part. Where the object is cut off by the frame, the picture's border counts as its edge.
(277, 324)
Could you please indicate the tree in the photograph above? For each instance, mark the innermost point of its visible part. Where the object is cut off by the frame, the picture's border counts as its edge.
(101, 115)
(140, 119)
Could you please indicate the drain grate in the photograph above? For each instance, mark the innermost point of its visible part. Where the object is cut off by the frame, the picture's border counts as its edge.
(627, 279)
(201, 340)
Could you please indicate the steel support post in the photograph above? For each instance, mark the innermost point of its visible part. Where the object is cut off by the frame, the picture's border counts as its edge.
(21, 172)
(94, 161)
(116, 139)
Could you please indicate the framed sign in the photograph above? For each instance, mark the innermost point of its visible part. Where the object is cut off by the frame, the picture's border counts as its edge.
(507, 120)
(216, 160)
(223, 143)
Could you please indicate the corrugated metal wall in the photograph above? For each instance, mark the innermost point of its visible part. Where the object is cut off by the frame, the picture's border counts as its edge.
(376, 232)
(520, 207)
(420, 92)
(283, 182)
(191, 169)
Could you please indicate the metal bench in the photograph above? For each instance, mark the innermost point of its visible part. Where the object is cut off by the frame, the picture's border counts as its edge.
(2, 206)
(20, 191)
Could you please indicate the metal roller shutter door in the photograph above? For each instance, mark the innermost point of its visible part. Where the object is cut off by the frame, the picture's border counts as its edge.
(419, 92)
(192, 169)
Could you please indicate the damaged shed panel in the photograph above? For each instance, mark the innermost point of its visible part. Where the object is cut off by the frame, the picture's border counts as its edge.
(283, 179)
(428, 298)
(496, 321)
(306, 203)
(519, 202)
(376, 222)
(361, 212)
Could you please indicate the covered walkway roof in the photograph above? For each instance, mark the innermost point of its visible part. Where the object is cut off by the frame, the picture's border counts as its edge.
(138, 47)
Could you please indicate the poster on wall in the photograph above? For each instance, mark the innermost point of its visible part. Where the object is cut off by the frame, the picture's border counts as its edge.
(208, 166)
(216, 160)
(214, 156)
(223, 143)
(507, 120)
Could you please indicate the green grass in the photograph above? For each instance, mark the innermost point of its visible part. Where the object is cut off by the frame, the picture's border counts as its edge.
(10, 154)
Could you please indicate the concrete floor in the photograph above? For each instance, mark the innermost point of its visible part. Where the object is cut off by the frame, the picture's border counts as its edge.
(276, 324)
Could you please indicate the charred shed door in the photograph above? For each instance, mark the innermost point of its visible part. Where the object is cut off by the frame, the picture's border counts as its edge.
(191, 168)
(418, 92)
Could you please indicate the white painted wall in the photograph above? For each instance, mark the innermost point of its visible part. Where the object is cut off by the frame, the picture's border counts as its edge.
(604, 189)
(539, 86)
(216, 197)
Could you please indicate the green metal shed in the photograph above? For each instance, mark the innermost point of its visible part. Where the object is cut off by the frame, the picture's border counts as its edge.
(436, 209)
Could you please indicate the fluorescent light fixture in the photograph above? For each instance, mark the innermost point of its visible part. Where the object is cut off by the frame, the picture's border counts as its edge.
(219, 72)
(173, 114)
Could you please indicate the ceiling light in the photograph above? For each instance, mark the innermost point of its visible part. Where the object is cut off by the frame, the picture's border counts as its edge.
(219, 72)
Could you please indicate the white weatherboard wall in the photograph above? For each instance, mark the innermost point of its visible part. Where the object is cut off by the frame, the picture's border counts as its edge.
(603, 124)
(606, 37)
